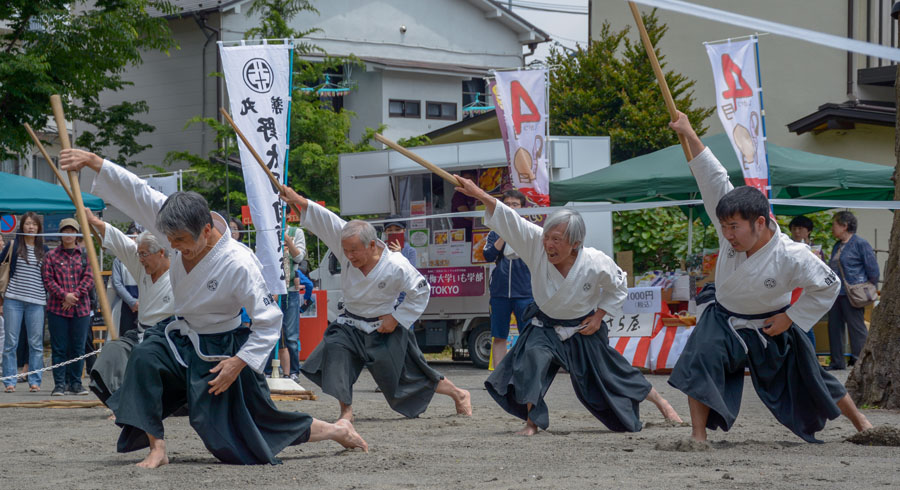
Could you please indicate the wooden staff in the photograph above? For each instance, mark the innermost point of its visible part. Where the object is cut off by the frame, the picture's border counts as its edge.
(663, 86)
(56, 104)
(258, 158)
(416, 158)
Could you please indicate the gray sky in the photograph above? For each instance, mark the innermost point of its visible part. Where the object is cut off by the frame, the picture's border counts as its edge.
(565, 28)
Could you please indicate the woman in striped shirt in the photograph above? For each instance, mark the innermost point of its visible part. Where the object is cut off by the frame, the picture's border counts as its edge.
(25, 300)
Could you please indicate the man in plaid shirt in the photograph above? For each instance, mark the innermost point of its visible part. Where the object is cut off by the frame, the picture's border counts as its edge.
(68, 281)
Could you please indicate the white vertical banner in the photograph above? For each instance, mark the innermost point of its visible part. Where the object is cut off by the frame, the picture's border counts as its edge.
(739, 107)
(259, 79)
(521, 101)
(168, 185)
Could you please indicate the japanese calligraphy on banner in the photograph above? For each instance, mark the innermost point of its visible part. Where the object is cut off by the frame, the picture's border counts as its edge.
(521, 100)
(639, 313)
(739, 106)
(259, 88)
(455, 281)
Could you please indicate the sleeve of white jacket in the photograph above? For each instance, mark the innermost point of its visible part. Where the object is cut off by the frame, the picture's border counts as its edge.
(820, 288)
(300, 243)
(252, 293)
(325, 225)
(615, 288)
(132, 195)
(522, 235)
(417, 293)
(124, 248)
(712, 179)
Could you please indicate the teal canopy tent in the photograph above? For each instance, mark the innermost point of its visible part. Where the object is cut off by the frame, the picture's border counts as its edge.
(21, 194)
(664, 176)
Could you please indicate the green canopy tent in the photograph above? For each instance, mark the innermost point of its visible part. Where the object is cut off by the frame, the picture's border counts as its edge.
(664, 176)
(21, 194)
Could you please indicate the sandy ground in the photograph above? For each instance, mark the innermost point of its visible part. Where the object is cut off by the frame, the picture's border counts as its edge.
(75, 448)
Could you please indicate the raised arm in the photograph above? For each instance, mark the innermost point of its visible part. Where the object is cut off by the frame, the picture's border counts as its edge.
(711, 176)
(318, 220)
(119, 187)
(118, 243)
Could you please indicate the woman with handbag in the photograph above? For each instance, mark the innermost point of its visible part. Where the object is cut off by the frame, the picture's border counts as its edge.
(24, 298)
(853, 259)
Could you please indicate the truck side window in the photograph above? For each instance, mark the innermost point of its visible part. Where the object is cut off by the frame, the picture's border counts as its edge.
(334, 267)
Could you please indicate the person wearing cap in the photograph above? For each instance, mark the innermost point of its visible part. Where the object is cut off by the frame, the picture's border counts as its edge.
(395, 246)
(68, 281)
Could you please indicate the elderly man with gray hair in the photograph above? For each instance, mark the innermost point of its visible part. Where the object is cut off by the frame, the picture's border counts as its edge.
(148, 262)
(366, 333)
(574, 287)
(200, 358)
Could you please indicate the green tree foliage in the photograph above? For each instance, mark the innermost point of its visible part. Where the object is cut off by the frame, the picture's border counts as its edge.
(608, 88)
(77, 49)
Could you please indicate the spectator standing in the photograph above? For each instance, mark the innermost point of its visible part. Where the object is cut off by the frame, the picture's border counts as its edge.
(406, 250)
(854, 261)
(68, 281)
(510, 283)
(294, 255)
(23, 305)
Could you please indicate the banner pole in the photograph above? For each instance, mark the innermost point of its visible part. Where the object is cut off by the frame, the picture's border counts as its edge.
(56, 105)
(660, 77)
(762, 118)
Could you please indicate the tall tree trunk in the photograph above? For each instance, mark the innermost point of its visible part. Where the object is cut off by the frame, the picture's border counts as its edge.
(875, 380)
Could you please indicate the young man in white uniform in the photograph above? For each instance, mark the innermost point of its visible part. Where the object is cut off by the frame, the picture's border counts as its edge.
(752, 323)
(366, 334)
(574, 287)
(198, 357)
(148, 263)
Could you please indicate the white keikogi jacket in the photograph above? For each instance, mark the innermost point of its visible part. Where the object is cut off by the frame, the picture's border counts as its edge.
(209, 298)
(595, 281)
(156, 303)
(764, 282)
(376, 294)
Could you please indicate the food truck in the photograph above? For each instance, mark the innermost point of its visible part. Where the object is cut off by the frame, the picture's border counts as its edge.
(448, 249)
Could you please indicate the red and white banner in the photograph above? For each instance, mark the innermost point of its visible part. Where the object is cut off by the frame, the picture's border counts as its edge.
(521, 100)
(659, 351)
(739, 106)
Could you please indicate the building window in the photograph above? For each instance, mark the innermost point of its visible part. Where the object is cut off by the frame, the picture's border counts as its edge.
(404, 108)
(440, 110)
(10, 166)
(42, 171)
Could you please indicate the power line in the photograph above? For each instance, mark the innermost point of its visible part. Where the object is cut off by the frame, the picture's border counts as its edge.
(549, 7)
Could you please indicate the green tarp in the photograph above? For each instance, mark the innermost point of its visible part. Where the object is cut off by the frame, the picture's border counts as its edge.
(21, 194)
(664, 175)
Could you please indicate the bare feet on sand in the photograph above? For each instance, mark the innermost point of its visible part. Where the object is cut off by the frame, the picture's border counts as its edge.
(346, 413)
(157, 456)
(663, 405)
(464, 403)
(670, 414)
(529, 430)
(348, 437)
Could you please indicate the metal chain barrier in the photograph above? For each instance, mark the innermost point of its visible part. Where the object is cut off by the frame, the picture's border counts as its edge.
(65, 363)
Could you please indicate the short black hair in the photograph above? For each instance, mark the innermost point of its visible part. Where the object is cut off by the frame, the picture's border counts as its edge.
(802, 222)
(745, 201)
(846, 218)
(515, 194)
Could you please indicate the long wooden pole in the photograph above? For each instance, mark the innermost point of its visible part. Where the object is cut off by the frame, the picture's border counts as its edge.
(40, 146)
(56, 105)
(416, 158)
(660, 77)
(258, 158)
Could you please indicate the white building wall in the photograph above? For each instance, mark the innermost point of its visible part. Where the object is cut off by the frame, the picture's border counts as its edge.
(414, 86)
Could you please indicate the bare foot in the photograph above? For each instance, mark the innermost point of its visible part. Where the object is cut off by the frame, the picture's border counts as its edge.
(862, 423)
(464, 404)
(529, 430)
(346, 413)
(157, 456)
(669, 413)
(111, 418)
(348, 437)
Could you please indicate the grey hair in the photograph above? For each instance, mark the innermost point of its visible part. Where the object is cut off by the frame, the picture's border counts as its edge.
(358, 228)
(184, 211)
(572, 221)
(152, 243)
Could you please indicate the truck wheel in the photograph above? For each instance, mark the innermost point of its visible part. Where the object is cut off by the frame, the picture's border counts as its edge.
(480, 345)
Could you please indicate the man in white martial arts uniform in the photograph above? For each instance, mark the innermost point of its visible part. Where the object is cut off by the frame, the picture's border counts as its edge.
(148, 263)
(574, 287)
(202, 354)
(752, 323)
(366, 333)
